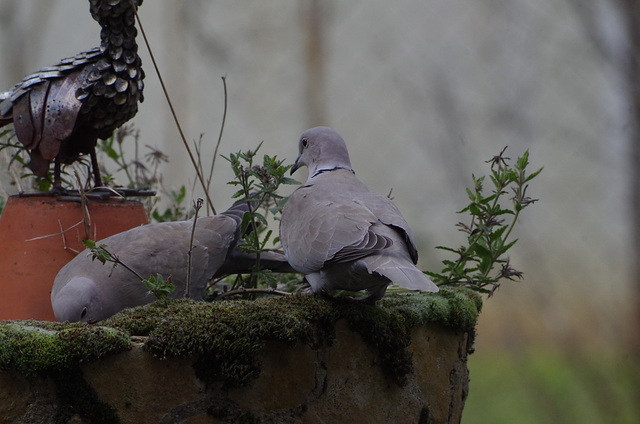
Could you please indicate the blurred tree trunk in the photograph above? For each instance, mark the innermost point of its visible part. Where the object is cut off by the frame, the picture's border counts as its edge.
(314, 53)
(22, 41)
(632, 11)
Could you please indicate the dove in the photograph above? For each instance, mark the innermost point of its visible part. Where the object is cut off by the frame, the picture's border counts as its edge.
(85, 290)
(340, 234)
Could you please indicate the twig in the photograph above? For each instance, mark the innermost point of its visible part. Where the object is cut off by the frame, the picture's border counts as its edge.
(64, 239)
(116, 261)
(175, 116)
(242, 290)
(86, 219)
(196, 205)
(224, 120)
(56, 234)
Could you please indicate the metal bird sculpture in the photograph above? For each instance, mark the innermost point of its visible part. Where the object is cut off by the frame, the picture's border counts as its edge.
(60, 111)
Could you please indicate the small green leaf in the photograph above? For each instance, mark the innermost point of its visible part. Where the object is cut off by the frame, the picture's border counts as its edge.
(447, 249)
(522, 161)
(532, 176)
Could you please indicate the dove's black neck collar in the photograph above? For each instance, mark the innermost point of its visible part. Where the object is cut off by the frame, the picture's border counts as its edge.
(335, 168)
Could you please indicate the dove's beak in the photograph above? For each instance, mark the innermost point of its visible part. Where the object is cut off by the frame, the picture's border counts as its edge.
(295, 166)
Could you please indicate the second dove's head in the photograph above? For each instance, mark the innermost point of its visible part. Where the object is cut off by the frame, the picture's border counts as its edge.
(321, 148)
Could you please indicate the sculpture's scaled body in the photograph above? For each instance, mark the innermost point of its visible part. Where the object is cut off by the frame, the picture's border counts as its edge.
(60, 111)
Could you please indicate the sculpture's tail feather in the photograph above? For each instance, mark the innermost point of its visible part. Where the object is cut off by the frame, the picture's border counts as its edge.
(6, 117)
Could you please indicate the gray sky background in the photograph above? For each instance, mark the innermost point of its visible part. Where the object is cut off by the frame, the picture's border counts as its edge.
(423, 93)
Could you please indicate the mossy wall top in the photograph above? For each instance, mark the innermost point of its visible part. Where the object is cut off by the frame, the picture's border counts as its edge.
(229, 334)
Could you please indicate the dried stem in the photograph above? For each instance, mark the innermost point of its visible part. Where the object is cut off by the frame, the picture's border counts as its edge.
(175, 117)
(224, 120)
(196, 205)
(86, 219)
(242, 290)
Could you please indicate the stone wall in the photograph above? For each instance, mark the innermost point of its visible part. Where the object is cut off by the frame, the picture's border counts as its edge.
(345, 376)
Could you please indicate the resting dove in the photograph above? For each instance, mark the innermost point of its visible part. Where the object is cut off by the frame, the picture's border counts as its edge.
(341, 235)
(86, 290)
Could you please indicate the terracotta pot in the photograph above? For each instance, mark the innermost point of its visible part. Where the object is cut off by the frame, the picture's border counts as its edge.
(39, 235)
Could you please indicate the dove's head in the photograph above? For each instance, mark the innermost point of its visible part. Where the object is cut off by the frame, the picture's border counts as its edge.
(321, 148)
(78, 301)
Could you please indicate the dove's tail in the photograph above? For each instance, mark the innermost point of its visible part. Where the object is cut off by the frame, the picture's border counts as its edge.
(409, 278)
(243, 262)
(237, 211)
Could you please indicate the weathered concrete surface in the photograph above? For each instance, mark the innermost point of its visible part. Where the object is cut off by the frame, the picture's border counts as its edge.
(297, 384)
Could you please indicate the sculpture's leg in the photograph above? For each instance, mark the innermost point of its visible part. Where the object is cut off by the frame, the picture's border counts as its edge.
(96, 168)
(57, 181)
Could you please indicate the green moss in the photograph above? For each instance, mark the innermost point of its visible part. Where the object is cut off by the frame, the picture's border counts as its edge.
(55, 350)
(387, 326)
(32, 347)
(227, 336)
(453, 306)
(387, 332)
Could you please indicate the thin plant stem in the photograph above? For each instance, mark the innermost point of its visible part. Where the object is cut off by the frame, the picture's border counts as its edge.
(224, 120)
(197, 205)
(242, 290)
(124, 166)
(175, 116)
(116, 260)
(86, 219)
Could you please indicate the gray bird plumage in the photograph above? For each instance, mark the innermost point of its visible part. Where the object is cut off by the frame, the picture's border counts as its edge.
(86, 290)
(340, 234)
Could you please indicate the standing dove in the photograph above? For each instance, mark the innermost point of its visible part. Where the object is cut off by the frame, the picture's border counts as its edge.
(86, 290)
(341, 235)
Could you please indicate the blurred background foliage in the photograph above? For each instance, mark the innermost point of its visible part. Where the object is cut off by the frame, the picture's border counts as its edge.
(424, 92)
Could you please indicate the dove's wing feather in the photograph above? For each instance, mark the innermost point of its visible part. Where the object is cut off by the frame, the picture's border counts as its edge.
(162, 248)
(388, 213)
(396, 264)
(153, 249)
(310, 239)
(340, 234)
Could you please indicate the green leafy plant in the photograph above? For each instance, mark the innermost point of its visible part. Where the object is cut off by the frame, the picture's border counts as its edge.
(158, 287)
(176, 210)
(20, 155)
(142, 173)
(488, 232)
(258, 183)
(155, 285)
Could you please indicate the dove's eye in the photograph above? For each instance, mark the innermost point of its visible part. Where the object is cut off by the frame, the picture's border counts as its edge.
(305, 142)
